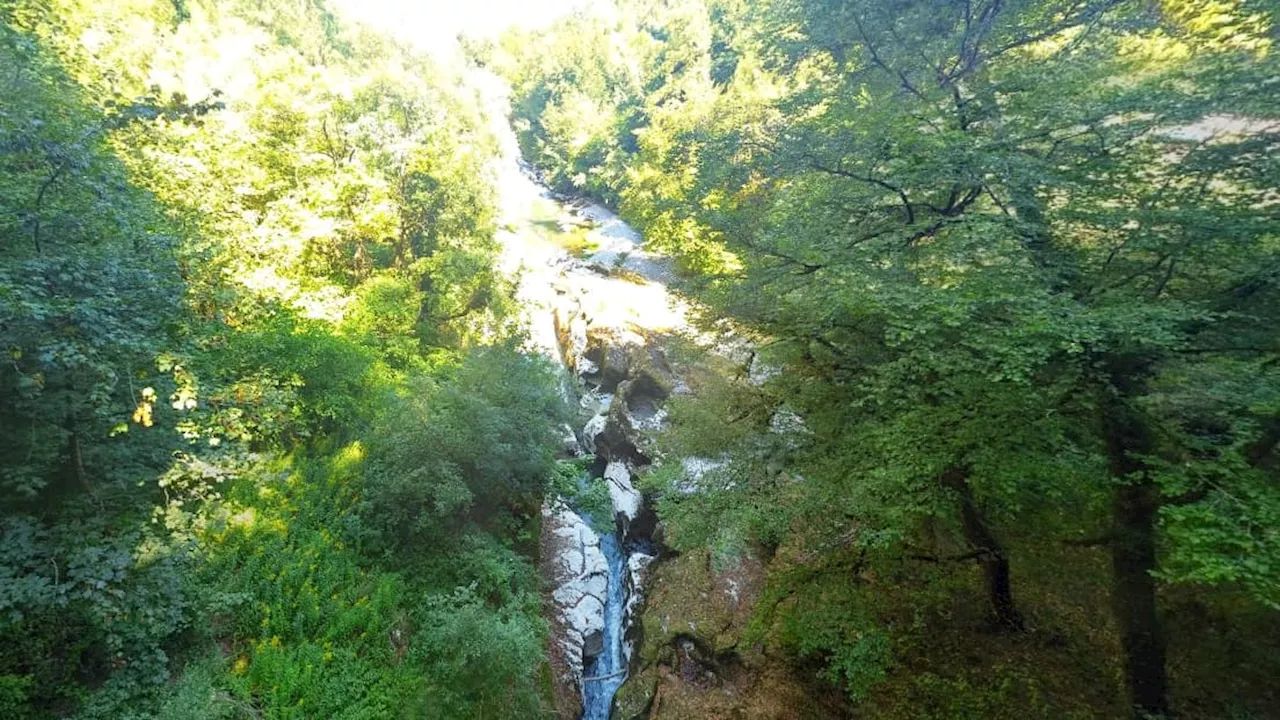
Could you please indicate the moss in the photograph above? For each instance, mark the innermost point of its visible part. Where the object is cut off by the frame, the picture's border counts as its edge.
(547, 222)
(694, 662)
(684, 601)
(546, 685)
(649, 373)
(635, 697)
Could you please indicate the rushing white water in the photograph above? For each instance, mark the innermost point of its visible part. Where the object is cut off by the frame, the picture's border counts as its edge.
(606, 673)
(618, 285)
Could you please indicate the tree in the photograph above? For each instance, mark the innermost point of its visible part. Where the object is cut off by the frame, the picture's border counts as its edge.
(962, 165)
(992, 243)
(231, 236)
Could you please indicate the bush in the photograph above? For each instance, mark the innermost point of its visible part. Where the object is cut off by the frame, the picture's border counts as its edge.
(475, 446)
(478, 658)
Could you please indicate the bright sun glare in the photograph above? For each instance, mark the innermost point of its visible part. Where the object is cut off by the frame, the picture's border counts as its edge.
(434, 24)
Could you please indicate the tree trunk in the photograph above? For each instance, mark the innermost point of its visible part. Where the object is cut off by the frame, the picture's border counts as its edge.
(1261, 452)
(992, 557)
(1134, 505)
(1133, 597)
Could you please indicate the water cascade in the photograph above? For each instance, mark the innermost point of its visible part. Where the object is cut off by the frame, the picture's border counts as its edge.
(606, 673)
(594, 312)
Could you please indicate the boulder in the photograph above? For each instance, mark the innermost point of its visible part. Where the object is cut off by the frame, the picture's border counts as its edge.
(650, 374)
(626, 499)
(571, 336)
(569, 444)
(694, 657)
(634, 700)
(610, 351)
(592, 402)
(580, 577)
(618, 355)
(593, 429)
(614, 361)
(619, 439)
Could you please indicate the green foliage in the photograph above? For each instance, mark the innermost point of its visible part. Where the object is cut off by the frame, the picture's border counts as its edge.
(990, 696)
(317, 628)
(197, 696)
(478, 659)
(93, 594)
(1017, 268)
(86, 285)
(383, 318)
(474, 445)
(592, 500)
(236, 239)
(282, 379)
(310, 623)
(588, 496)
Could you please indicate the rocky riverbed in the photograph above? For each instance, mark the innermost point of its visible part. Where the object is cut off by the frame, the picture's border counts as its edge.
(637, 631)
(600, 307)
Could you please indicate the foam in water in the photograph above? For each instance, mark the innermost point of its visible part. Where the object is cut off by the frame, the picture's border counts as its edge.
(605, 674)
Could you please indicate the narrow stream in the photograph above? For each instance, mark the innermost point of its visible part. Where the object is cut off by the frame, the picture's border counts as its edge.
(552, 277)
(605, 674)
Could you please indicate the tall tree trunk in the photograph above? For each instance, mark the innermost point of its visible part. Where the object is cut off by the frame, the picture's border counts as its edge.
(1261, 452)
(992, 557)
(1133, 597)
(1134, 505)
(75, 453)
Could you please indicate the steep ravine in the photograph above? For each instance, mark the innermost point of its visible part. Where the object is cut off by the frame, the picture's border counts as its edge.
(631, 637)
(601, 315)
(620, 379)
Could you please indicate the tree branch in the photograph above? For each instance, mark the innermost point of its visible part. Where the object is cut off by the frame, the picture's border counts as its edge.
(902, 195)
(939, 559)
(880, 63)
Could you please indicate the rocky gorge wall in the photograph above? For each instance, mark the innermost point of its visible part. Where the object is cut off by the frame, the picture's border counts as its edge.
(622, 380)
(610, 321)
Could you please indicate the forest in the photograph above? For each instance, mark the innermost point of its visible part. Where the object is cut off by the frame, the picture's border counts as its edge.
(269, 445)
(1016, 264)
(999, 437)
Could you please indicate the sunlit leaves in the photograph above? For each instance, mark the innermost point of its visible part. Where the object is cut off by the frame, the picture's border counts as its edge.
(228, 226)
(970, 233)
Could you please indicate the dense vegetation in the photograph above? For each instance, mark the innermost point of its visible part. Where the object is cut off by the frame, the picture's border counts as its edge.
(1017, 264)
(267, 447)
(1009, 445)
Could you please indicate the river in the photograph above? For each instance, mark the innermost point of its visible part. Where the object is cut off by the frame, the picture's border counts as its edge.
(578, 259)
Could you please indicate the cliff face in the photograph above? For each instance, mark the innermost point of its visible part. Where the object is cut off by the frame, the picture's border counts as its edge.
(574, 566)
(694, 659)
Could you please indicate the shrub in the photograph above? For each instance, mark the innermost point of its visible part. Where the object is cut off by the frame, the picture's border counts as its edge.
(474, 446)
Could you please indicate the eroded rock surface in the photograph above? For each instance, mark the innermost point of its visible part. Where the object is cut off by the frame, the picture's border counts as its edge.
(637, 573)
(692, 660)
(573, 562)
(626, 499)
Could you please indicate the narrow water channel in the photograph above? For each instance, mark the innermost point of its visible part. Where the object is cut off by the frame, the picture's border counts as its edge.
(581, 256)
(606, 673)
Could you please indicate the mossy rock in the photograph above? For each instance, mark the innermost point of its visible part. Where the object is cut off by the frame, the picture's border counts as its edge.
(620, 440)
(649, 372)
(635, 697)
(692, 661)
(684, 600)
(624, 355)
